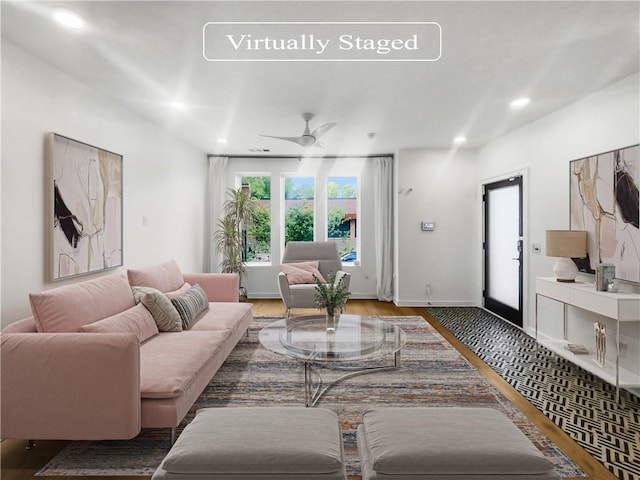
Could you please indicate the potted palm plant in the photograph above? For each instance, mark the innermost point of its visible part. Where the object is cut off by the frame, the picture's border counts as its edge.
(331, 296)
(229, 238)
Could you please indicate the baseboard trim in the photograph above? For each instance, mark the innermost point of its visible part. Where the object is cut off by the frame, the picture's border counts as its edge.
(437, 303)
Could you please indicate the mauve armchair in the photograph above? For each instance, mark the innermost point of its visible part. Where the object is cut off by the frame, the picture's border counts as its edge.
(326, 253)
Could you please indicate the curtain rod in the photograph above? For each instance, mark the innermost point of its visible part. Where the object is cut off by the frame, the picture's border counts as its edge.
(304, 156)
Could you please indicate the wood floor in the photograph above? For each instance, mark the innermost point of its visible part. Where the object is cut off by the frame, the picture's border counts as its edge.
(16, 463)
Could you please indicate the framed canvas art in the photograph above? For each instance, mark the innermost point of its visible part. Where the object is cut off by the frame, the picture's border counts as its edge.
(605, 202)
(86, 207)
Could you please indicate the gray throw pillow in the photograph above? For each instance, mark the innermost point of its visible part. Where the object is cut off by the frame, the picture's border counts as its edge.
(190, 304)
(164, 313)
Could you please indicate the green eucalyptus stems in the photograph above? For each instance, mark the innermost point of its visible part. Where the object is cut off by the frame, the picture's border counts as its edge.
(331, 295)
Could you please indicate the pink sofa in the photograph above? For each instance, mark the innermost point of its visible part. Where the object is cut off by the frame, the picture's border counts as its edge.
(90, 364)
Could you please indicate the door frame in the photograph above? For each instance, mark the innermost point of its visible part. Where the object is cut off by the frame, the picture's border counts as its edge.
(526, 241)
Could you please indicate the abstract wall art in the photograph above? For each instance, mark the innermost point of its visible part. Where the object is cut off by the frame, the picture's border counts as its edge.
(605, 202)
(86, 207)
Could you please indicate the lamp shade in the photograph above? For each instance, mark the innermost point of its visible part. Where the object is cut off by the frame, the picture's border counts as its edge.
(566, 243)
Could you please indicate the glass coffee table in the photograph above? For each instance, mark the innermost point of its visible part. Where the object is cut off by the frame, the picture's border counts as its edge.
(355, 345)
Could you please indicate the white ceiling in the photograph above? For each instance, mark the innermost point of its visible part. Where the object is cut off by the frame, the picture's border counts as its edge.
(146, 54)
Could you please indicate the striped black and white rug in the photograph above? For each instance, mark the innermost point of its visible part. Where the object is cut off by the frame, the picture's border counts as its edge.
(580, 403)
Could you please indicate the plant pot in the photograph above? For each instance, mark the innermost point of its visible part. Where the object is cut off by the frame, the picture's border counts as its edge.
(242, 294)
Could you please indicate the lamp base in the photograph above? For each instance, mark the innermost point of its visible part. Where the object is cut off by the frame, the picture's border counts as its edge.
(565, 270)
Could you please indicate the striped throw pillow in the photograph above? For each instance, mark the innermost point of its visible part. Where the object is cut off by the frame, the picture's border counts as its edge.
(190, 304)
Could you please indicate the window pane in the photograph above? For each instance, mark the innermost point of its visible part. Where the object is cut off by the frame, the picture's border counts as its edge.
(342, 219)
(298, 213)
(258, 233)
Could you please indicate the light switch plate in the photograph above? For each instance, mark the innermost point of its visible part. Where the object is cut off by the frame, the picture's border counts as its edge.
(428, 226)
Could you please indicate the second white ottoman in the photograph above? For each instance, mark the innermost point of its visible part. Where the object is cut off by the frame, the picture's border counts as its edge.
(447, 443)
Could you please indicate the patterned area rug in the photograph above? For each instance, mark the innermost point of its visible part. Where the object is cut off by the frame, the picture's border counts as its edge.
(433, 373)
(580, 403)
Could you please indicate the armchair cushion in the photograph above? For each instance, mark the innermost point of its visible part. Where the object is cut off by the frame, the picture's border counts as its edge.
(302, 272)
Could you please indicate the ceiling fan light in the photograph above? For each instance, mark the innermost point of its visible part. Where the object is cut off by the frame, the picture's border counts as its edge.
(307, 140)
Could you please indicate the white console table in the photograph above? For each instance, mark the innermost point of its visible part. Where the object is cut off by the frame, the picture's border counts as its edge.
(622, 307)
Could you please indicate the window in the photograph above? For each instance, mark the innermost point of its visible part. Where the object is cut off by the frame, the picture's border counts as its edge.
(298, 208)
(342, 215)
(258, 233)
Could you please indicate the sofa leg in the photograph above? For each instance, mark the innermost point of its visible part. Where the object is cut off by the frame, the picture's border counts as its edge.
(30, 445)
(173, 435)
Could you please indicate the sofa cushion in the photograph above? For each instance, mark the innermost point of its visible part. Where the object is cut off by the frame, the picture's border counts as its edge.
(164, 313)
(221, 316)
(136, 320)
(170, 363)
(175, 293)
(26, 325)
(165, 277)
(66, 309)
(190, 304)
(302, 272)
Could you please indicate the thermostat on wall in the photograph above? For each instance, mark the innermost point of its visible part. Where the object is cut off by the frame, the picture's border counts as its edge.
(428, 226)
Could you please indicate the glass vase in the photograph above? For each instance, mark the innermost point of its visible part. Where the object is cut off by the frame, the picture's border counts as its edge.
(331, 321)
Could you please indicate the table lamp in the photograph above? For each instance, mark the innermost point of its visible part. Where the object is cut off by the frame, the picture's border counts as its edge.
(566, 244)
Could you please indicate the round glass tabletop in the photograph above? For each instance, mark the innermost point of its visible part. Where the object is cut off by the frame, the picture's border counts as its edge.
(355, 338)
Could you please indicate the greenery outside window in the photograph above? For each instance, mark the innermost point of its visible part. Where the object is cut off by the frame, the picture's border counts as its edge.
(299, 193)
(258, 232)
(342, 215)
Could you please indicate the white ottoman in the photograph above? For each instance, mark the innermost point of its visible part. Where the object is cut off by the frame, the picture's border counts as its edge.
(271, 443)
(447, 443)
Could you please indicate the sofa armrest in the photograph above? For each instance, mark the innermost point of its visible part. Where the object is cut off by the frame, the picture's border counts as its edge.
(70, 386)
(219, 287)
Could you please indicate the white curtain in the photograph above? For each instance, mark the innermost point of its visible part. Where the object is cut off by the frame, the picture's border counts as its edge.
(383, 226)
(217, 193)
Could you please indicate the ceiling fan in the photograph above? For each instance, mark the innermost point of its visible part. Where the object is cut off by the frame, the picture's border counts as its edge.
(308, 138)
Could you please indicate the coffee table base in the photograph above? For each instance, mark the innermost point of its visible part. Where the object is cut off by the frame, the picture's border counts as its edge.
(312, 393)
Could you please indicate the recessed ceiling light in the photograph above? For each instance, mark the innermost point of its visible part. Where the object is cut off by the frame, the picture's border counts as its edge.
(221, 140)
(178, 105)
(68, 19)
(460, 139)
(520, 102)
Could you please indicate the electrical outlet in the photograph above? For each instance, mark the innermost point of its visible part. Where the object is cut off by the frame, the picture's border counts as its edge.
(428, 289)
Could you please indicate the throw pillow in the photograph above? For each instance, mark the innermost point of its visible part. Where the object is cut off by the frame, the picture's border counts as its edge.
(183, 289)
(136, 320)
(165, 315)
(302, 272)
(190, 304)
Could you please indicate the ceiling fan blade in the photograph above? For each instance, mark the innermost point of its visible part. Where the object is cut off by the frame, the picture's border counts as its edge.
(319, 144)
(299, 140)
(318, 132)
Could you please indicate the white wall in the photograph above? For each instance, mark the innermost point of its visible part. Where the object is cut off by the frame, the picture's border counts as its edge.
(261, 280)
(438, 186)
(164, 178)
(603, 121)
(607, 120)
